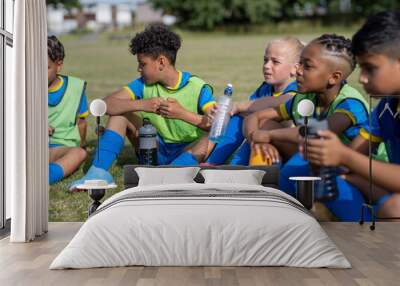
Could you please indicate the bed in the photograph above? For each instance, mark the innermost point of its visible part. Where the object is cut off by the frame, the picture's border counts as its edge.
(201, 224)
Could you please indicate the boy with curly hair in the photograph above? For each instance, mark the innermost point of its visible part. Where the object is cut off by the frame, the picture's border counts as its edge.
(175, 102)
(67, 110)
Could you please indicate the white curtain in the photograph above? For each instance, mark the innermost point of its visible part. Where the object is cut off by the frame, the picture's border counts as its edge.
(26, 124)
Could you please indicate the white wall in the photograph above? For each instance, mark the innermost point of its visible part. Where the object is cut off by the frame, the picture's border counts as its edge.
(124, 15)
(70, 25)
(103, 14)
(55, 20)
(92, 25)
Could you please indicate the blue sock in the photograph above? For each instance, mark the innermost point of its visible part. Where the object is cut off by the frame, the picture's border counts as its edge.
(242, 155)
(111, 144)
(56, 173)
(232, 140)
(185, 159)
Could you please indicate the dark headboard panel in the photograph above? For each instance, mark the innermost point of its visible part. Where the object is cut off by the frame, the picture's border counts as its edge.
(270, 179)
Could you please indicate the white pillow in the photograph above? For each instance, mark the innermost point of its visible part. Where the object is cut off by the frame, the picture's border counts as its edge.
(248, 177)
(166, 176)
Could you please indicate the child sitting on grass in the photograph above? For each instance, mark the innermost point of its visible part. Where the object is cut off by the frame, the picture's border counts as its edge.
(67, 110)
(175, 102)
(281, 60)
(377, 49)
(325, 64)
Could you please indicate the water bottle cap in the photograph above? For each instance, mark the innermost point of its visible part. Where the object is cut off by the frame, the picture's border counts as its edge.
(146, 121)
(228, 89)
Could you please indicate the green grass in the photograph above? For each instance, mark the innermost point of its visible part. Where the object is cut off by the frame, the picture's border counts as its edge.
(107, 65)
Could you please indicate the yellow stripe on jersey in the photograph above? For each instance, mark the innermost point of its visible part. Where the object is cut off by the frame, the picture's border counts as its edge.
(364, 133)
(131, 93)
(58, 86)
(179, 81)
(84, 115)
(284, 114)
(276, 94)
(349, 114)
(207, 105)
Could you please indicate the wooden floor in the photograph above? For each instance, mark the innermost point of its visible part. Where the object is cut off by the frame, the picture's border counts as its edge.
(374, 255)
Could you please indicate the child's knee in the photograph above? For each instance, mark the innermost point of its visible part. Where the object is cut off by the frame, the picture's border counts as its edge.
(391, 208)
(199, 153)
(119, 123)
(80, 153)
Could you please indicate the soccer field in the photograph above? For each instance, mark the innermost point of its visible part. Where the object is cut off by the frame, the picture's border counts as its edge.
(105, 63)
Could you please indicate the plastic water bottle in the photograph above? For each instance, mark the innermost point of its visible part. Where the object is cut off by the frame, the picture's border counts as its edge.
(325, 189)
(147, 144)
(222, 116)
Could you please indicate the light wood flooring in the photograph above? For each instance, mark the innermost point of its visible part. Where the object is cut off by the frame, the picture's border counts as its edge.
(374, 255)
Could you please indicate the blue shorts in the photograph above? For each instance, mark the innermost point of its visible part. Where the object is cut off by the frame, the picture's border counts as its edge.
(242, 155)
(55, 145)
(167, 152)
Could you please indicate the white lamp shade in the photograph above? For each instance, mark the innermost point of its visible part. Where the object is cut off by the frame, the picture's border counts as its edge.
(98, 107)
(305, 108)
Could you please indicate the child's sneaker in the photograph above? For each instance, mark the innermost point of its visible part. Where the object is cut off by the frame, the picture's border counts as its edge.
(93, 173)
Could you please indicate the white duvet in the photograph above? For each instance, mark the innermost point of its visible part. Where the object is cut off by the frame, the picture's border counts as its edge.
(201, 224)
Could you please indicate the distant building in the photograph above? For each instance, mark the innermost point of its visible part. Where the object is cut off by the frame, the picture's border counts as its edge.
(58, 21)
(94, 15)
(145, 14)
(103, 14)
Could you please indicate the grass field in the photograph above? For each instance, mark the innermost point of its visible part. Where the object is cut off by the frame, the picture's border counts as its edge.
(107, 65)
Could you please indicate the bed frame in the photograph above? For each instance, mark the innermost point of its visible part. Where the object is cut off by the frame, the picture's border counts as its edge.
(270, 179)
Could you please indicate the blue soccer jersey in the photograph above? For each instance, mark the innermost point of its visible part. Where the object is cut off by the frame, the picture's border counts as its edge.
(206, 98)
(385, 127)
(56, 93)
(351, 107)
(266, 89)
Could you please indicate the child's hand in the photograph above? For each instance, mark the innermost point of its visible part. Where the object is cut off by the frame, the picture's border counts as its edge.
(51, 130)
(209, 115)
(271, 152)
(267, 151)
(211, 111)
(326, 150)
(235, 108)
(152, 104)
(171, 108)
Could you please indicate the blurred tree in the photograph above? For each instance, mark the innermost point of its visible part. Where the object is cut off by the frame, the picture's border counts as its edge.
(68, 4)
(205, 14)
(290, 9)
(366, 8)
